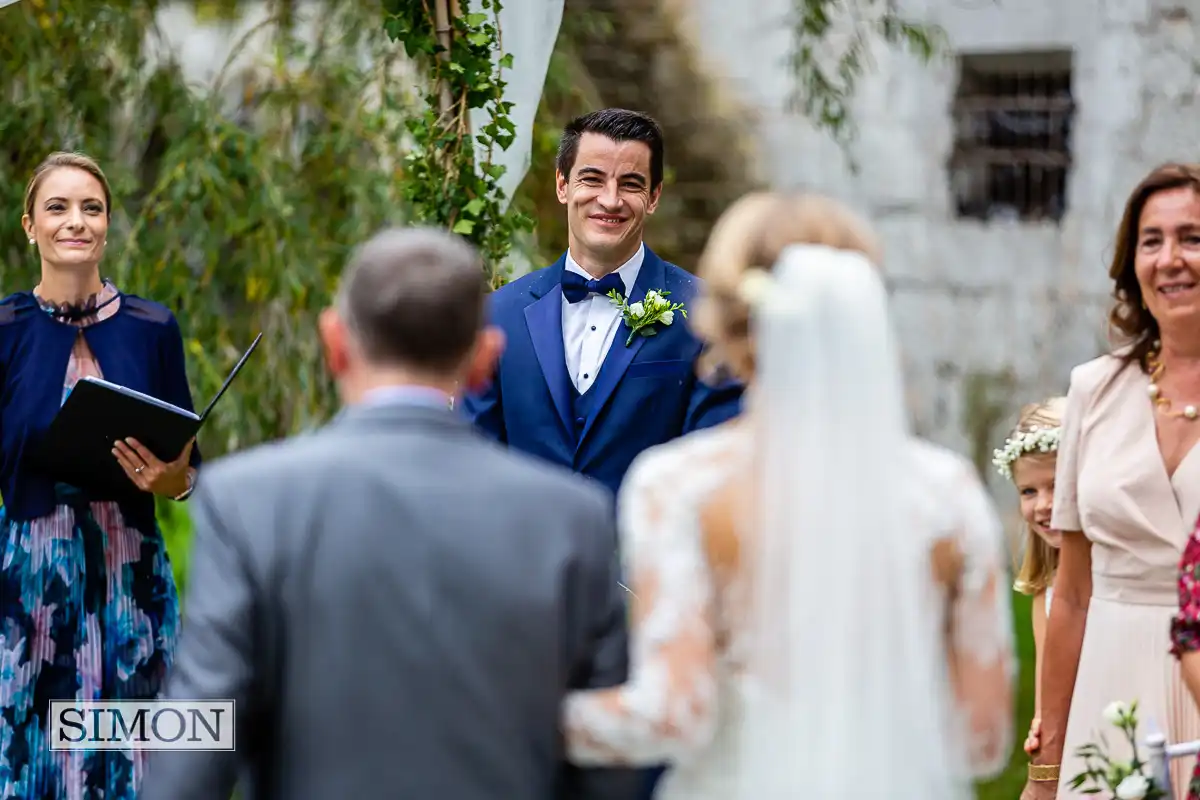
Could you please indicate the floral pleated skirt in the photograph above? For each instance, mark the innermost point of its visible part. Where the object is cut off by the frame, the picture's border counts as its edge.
(88, 611)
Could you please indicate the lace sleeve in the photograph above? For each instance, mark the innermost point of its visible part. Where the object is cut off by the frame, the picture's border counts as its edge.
(668, 707)
(981, 648)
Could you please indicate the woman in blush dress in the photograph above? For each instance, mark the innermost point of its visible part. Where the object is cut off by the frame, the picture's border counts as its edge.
(1127, 487)
(814, 591)
(88, 609)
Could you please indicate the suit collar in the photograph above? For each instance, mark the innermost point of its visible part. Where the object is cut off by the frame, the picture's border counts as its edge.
(628, 272)
(547, 279)
(400, 394)
(650, 275)
(543, 319)
(392, 415)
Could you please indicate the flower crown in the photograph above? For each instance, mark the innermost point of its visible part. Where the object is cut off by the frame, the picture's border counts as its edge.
(1034, 440)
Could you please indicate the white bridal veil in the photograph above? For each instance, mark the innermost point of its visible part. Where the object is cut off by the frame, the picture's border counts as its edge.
(848, 694)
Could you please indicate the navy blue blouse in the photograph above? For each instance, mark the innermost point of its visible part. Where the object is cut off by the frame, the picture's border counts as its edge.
(139, 346)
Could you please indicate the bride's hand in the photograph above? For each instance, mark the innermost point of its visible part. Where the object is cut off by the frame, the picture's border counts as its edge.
(946, 559)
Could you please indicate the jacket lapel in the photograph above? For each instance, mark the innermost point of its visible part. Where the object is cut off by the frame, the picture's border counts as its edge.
(619, 357)
(543, 318)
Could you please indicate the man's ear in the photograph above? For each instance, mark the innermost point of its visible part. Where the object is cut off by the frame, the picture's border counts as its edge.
(560, 187)
(335, 341)
(655, 195)
(484, 358)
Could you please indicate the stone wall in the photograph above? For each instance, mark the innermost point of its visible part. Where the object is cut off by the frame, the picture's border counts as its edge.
(991, 315)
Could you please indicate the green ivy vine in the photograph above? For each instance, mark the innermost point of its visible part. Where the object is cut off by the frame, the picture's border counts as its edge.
(445, 182)
(827, 77)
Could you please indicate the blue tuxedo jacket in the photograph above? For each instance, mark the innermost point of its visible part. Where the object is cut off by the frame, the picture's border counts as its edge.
(646, 394)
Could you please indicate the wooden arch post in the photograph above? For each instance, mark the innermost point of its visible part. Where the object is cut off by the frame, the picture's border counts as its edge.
(443, 12)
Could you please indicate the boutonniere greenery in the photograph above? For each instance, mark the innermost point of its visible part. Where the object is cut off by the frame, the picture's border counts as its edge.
(639, 317)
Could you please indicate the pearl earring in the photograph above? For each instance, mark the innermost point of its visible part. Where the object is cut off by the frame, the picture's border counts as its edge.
(31, 241)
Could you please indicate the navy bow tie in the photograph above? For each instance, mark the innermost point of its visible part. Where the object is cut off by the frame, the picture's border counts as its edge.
(576, 287)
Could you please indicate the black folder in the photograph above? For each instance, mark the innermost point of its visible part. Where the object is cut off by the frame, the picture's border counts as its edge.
(77, 447)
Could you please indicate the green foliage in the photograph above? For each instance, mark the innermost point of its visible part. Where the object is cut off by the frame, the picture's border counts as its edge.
(1008, 784)
(176, 526)
(450, 179)
(235, 205)
(986, 398)
(831, 52)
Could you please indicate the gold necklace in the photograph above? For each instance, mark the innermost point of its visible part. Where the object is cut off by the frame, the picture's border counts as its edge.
(1157, 368)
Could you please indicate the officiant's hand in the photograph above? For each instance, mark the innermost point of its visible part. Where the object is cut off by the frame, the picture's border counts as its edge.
(169, 479)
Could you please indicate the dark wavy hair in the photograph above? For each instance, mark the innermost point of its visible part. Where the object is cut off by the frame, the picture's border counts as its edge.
(1129, 318)
(620, 125)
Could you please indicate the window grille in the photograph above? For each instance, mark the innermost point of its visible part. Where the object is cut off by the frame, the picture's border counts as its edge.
(1012, 119)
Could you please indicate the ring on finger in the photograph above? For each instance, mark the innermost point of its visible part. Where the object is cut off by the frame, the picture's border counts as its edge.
(139, 469)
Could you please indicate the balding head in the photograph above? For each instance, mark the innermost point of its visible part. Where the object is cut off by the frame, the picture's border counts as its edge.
(414, 298)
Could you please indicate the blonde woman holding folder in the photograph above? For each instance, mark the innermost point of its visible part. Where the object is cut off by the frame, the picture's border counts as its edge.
(88, 606)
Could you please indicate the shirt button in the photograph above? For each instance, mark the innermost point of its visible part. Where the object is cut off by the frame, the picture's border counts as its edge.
(593, 327)
(580, 420)
(585, 375)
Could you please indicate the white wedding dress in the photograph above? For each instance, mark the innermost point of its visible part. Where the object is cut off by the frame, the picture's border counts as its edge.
(850, 697)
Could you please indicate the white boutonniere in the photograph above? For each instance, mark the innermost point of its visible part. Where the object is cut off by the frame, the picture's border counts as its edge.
(655, 309)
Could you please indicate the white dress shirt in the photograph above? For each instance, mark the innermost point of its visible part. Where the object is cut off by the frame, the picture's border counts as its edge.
(591, 325)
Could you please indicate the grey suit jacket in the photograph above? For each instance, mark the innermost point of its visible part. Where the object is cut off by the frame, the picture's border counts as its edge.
(398, 607)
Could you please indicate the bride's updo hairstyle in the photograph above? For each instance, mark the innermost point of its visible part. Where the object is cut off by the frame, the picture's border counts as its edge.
(750, 236)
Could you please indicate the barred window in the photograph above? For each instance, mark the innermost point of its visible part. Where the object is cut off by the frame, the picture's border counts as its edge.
(1012, 117)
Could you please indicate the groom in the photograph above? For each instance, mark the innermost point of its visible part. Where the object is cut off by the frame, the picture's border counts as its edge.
(572, 387)
(569, 388)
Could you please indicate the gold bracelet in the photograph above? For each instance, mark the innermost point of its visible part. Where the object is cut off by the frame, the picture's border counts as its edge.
(191, 487)
(1043, 772)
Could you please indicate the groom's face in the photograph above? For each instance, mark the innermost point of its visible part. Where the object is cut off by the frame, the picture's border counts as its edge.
(607, 196)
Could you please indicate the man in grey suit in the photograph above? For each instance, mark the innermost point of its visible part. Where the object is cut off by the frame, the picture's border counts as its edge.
(396, 604)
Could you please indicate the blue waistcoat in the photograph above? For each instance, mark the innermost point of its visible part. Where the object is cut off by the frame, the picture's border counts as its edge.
(581, 409)
(140, 347)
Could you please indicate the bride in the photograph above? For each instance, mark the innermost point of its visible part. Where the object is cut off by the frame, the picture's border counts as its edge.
(819, 605)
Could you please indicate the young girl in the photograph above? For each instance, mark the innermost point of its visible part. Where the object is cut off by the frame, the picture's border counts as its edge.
(1028, 458)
